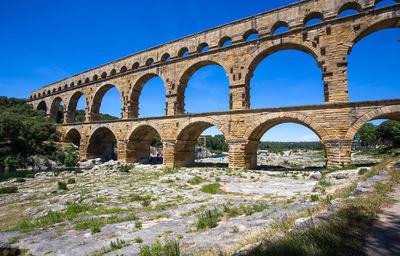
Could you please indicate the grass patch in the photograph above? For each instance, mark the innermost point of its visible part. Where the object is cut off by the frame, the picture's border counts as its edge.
(196, 180)
(125, 168)
(214, 188)
(208, 219)
(62, 185)
(169, 248)
(8, 190)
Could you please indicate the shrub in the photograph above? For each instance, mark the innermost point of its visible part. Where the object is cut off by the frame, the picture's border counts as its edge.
(125, 168)
(30, 175)
(138, 225)
(314, 198)
(209, 218)
(118, 244)
(214, 188)
(95, 230)
(138, 240)
(20, 180)
(169, 248)
(195, 180)
(8, 190)
(71, 181)
(62, 185)
(362, 171)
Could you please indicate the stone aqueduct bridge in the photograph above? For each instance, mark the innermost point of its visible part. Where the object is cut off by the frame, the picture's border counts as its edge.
(329, 43)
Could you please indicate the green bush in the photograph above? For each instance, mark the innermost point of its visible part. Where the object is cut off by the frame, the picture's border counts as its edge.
(95, 230)
(214, 188)
(71, 181)
(125, 168)
(62, 185)
(209, 218)
(169, 248)
(195, 180)
(20, 180)
(30, 175)
(138, 240)
(314, 198)
(8, 190)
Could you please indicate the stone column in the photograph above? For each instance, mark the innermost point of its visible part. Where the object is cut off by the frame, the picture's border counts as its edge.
(175, 105)
(239, 96)
(69, 117)
(338, 153)
(130, 110)
(122, 154)
(168, 153)
(83, 145)
(238, 157)
(334, 74)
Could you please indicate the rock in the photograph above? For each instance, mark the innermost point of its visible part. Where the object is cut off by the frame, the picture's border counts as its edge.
(9, 251)
(367, 186)
(156, 151)
(334, 205)
(87, 164)
(341, 176)
(302, 224)
(316, 176)
(202, 152)
(278, 235)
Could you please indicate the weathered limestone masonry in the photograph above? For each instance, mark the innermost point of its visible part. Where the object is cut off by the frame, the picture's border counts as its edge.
(329, 42)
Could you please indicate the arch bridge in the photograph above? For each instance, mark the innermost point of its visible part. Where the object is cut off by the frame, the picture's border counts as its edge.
(329, 42)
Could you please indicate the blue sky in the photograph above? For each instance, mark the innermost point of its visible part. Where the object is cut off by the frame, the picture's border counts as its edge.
(44, 41)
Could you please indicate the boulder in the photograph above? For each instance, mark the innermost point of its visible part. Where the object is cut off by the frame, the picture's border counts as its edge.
(316, 176)
(202, 152)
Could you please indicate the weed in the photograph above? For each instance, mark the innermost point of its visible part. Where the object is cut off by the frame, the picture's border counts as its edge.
(138, 225)
(362, 171)
(125, 168)
(169, 248)
(171, 170)
(30, 176)
(138, 240)
(314, 198)
(95, 230)
(20, 180)
(195, 180)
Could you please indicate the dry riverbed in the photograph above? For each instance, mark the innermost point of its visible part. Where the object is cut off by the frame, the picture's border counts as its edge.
(135, 205)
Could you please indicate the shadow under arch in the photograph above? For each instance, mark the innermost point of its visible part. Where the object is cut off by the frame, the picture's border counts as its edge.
(134, 94)
(73, 136)
(139, 142)
(262, 126)
(97, 100)
(184, 150)
(274, 49)
(72, 106)
(42, 106)
(55, 114)
(187, 75)
(102, 144)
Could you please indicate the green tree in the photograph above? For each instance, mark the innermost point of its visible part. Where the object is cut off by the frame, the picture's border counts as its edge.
(367, 135)
(388, 133)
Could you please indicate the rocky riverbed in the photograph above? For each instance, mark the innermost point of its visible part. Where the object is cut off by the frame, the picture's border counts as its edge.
(134, 205)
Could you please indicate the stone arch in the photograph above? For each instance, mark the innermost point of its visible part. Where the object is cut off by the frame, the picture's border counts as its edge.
(262, 125)
(149, 62)
(72, 105)
(123, 69)
(371, 26)
(223, 40)
(102, 144)
(54, 114)
(135, 65)
(98, 98)
(311, 16)
(388, 112)
(187, 137)
(182, 51)
(378, 1)
(271, 49)
(134, 94)
(73, 136)
(87, 80)
(104, 74)
(185, 77)
(248, 33)
(278, 25)
(201, 47)
(95, 77)
(165, 57)
(113, 72)
(350, 6)
(138, 143)
(42, 105)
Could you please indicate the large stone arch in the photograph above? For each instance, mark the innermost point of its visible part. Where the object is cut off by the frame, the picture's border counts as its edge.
(73, 136)
(138, 143)
(184, 78)
(54, 108)
(72, 104)
(390, 20)
(271, 48)
(257, 129)
(102, 143)
(388, 112)
(98, 98)
(186, 139)
(132, 105)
